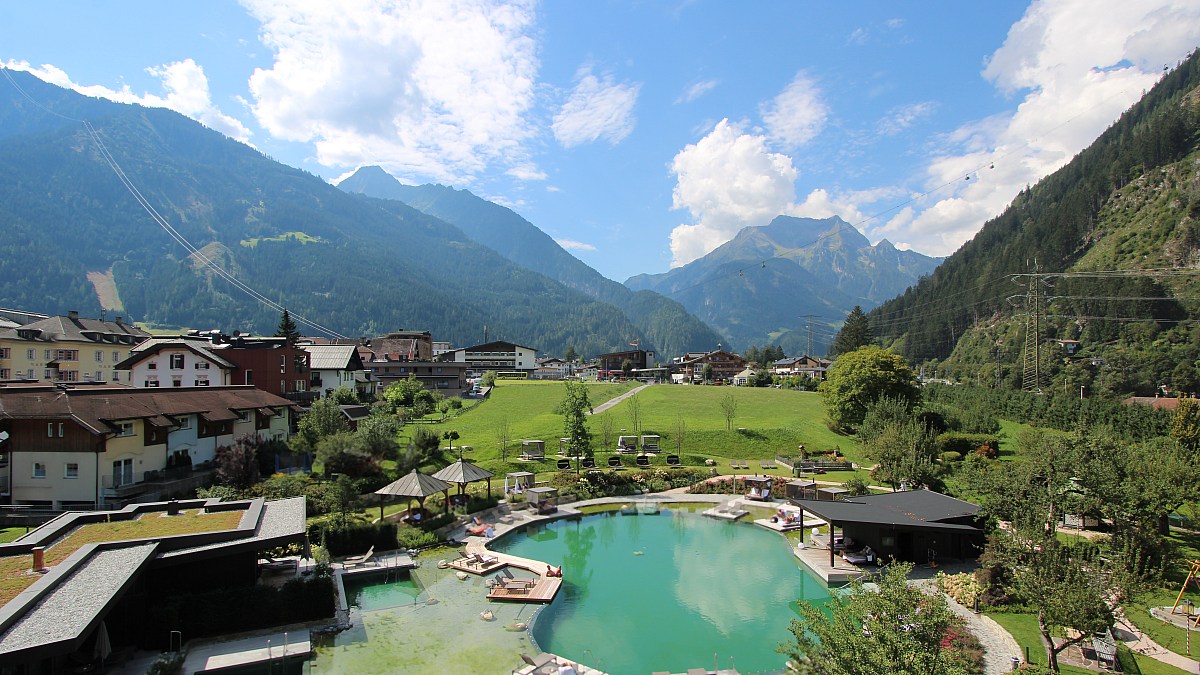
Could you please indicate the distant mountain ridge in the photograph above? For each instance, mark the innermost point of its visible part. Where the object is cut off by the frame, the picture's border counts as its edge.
(357, 265)
(666, 324)
(762, 286)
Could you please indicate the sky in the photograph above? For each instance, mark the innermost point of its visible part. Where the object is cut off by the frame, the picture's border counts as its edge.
(640, 135)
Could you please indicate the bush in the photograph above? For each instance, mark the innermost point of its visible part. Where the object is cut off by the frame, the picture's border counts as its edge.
(354, 539)
(950, 457)
(413, 537)
(953, 441)
(963, 587)
(167, 663)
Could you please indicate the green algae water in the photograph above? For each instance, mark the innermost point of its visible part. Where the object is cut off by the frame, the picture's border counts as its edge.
(645, 593)
(370, 595)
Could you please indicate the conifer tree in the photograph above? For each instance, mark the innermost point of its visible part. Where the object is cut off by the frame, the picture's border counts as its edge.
(855, 333)
(287, 329)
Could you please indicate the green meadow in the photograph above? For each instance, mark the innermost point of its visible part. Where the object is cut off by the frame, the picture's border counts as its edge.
(767, 421)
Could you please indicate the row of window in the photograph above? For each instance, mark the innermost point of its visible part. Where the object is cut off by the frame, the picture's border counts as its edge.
(58, 354)
(70, 470)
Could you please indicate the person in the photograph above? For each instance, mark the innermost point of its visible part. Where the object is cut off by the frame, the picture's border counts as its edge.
(554, 571)
(566, 668)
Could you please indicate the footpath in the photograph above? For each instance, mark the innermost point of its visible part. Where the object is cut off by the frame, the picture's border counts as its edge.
(611, 402)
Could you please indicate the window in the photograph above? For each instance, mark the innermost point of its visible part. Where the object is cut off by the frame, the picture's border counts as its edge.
(39, 470)
(70, 470)
(243, 415)
(176, 361)
(249, 377)
(151, 383)
(50, 430)
(152, 365)
(29, 374)
(202, 365)
(99, 357)
(69, 375)
(115, 376)
(282, 364)
(176, 382)
(5, 353)
(31, 354)
(122, 472)
(5, 374)
(124, 429)
(66, 354)
(185, 422)
(301, 385)
(46, 354)
(202, 382)
(99, 376)
(116, 356)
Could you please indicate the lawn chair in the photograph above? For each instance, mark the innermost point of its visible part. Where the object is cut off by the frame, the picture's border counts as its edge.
(543, 664)
(509, 580)
(745, 465)
(356, 560)
(614, 462)
(672, 460)
(564, 464)
(767, 464)
(482, 561)
(269, 564)
(589, 463)
(642, 461)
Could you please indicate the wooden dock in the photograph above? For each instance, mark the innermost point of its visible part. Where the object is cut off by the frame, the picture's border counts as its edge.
(472, 567)
(543, 591)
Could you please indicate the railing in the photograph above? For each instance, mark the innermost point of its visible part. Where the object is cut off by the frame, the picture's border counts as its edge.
(302, 396)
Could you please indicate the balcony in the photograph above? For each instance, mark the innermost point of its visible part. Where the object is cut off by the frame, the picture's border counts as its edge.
(302, 397)
(159, 484)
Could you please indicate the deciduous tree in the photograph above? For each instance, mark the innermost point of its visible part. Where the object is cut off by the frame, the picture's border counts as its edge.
(574, 408)
(729, 406)
(855, 333)
(859, 378)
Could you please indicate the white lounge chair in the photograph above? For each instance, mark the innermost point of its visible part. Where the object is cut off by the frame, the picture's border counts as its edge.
(356, 560)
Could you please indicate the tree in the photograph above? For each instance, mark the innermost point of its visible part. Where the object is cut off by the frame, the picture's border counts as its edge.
(729, 406)
(451, 436)
(863, 376)
(570, 355)
(426, 443)
(403, 393)
(1185, 424)
(344, 453)
(898, 629)
(344, 395)
(904, 452)
(606, 431)
(287, 329)
(378, 434)
(855, 333)
(627, 368)
(706, 373)
(633, 407)
(323, 419)
(237, 464)
(488, 379)
(574, 408)
(502, 432)
(680, 433)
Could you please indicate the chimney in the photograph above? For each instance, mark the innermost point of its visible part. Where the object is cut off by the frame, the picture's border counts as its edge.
(118, 320)
(72, 315)
(39, 558)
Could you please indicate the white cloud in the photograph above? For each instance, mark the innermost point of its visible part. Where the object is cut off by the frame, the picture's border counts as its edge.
(434, 89)
(1076, 64)
(900, 118)
(727, 180)
(598, 108)
(572, 245)
(697, 90)
(797, 114)
(184, 84)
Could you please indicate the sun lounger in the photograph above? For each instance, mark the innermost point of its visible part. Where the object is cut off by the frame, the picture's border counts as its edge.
(767, 464)
(355, 560)
(672, 460)
(481, 561)
(642, 460)
(269, 564)
(543, 664)
(589, 463)
(507, 579)
(614, 462)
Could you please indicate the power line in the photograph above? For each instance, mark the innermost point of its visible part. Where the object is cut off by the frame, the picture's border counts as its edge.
(162, 222)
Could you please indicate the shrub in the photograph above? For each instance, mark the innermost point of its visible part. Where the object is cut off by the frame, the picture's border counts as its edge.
(167, 663)
(949, 457)
(354, 539)
(413, 537)
(964, 587)
(952, 441)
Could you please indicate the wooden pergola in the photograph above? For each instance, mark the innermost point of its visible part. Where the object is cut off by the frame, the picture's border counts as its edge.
(415, 485)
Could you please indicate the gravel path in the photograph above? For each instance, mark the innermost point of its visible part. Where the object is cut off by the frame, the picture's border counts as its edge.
(611, 402)
(999, 647)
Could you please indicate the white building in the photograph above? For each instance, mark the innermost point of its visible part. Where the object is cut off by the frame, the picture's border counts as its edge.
(498, 356)
(176, 362)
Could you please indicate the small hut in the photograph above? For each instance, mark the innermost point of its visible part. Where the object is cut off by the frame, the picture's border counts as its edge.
(533, 449)
(543, 499)
(650, 443)
(463, 472)
(832, 494)
(759, 488)
(415, 485)
(518, 482)
(800, 489)
(627, 443)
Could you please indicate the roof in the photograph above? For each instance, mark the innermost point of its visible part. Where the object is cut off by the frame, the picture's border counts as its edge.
(333, 357)
(152, 346)
(96, 407)
(75, 329)
(355, 412)
(1156, 402)
(415, 484)
(910, 508)
(494, 345)
(463, 471)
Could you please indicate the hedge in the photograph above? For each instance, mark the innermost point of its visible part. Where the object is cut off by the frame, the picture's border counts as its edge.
(965, 444)
(354, 539)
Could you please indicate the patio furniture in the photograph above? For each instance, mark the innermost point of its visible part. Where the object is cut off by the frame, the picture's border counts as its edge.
(672, 460)
(543, 664)
(508, 579)
(614, 462)
(483, 561)
(270, 564)
(642, 460)
(564, 464)
(356, 560)
(589, 463)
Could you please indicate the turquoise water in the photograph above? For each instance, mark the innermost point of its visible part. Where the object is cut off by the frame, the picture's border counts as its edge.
(665, 592)
(370, 594)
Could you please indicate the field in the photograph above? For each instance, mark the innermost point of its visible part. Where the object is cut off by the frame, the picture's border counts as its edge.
(767, 422)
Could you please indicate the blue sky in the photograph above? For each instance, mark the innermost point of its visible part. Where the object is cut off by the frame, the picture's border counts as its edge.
(641, 135)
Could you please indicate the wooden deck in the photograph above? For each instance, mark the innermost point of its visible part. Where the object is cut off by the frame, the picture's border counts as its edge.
(543, 591)
(474, 568)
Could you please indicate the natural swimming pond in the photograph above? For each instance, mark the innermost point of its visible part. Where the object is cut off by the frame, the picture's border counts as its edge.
(646, 593)
(642, 593)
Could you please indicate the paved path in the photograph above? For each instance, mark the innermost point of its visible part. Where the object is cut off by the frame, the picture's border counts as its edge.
(1142, 644)
(999, 647)
(610, 403)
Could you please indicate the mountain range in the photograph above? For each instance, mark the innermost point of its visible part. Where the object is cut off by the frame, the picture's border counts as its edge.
(770, 283)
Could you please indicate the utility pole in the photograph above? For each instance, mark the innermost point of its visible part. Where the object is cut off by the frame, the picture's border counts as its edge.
(808, 325)
(1031, 376)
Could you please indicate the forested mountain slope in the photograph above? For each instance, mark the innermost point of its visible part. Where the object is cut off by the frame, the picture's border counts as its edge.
(667, 326)
(1129, 203)
(356, 265)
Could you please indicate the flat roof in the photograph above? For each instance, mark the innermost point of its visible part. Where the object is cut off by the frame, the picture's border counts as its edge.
(920, 509)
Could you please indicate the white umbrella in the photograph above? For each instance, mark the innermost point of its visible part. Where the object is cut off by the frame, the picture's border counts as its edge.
(103, 647)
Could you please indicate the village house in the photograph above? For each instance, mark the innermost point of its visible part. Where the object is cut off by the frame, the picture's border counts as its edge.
(690, 367)
(66, 348)
(105, 445)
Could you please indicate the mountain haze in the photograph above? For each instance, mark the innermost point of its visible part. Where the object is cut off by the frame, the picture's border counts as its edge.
(666, 324)
(353, 264)
(762, 286)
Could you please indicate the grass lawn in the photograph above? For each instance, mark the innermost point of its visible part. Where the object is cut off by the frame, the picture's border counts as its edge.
(768, 421)
(8, 534)
(1024, 630)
